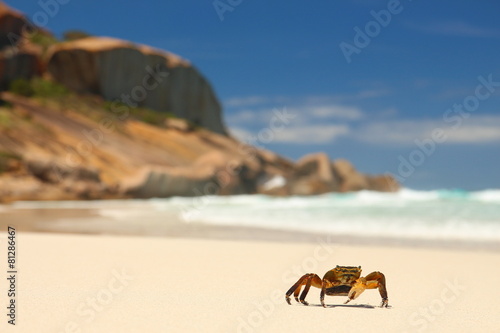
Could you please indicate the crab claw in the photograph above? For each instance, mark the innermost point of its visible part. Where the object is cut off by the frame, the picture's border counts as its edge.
(356, 290)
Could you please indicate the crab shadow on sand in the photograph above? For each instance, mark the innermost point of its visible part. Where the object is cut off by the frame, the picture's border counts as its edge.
(362, 306)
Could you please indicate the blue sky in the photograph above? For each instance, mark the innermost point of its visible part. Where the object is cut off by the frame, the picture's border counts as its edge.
(412, 99)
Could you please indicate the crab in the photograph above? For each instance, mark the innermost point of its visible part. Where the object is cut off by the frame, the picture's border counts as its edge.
(340, 281)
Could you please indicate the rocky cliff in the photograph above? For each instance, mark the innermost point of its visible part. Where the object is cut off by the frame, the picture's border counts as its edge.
(136, 75)
(16, 60)
(12, 24)
(104, 118)
(117, 70)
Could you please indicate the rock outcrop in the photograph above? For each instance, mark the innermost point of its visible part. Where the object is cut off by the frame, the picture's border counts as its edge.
(167, 182)
(352, 180)
(117, 70)
(136, 75)
(40, 180)
(84, 146)
(316, 174)
(12, 24)
(349, 178)
(16, 61)
(54, 154)
(313, 174)
(17, 65)
(63, 150)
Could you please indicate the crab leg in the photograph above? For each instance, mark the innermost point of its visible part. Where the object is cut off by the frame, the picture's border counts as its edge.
(322, 294)
(305, 291)
(377, 280)
(308, 280)
(295, 289)
(296, 294)
(329, 280)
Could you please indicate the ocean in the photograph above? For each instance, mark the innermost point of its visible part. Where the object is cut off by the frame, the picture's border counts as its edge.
(452, 215)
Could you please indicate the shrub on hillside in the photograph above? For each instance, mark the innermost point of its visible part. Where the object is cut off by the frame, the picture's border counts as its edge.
(21, 87)
(38, 87)
(48, 89)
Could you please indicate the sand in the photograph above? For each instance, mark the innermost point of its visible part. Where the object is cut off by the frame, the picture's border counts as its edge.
(92, 283)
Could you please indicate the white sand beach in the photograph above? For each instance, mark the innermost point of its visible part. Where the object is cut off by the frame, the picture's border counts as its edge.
(89, 283)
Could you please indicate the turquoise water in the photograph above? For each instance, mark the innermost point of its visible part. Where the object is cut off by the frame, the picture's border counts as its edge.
(434, 215)
(443, 214)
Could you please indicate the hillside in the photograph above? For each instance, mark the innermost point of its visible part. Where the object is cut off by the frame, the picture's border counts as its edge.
(103, 118)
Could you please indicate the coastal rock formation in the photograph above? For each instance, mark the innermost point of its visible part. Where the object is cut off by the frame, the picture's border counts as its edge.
(103, 140)
(17, 65)
(217, 172)
(16, 61)
(67, 150)
(316, 174)
(168, 182)
(40, 180)
(12, 24)
(313, 174)
(136, 75)
(352, 180)
(53, 154)
(349, 178)
(383, 183)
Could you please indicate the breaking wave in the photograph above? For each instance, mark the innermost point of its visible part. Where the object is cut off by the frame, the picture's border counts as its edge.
(440, 214)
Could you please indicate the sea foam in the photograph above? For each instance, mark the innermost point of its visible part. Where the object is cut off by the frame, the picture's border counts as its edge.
(435, 215)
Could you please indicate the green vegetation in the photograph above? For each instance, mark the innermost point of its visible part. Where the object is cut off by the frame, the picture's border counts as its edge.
(42, 38)
(71, 35)
(150, 116)
(48, 89)
(53, 94)
(38, 87)
(21, 87)
(146, 115)
(5, 119)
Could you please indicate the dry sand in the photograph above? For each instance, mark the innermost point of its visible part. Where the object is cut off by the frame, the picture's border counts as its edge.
(91, 283)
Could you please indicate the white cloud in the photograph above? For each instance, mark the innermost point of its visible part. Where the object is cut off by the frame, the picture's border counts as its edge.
(256, 101)
(345, 98)
(246, 101)
(303, 101)
(312, 134)
(244, 117)
(476, 130)
(240, 133)
(307, 134)
(473, 130)
(335, 111)
(306, 114)
(393, 132)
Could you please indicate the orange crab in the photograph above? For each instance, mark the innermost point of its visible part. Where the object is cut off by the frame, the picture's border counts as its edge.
(340, 281)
